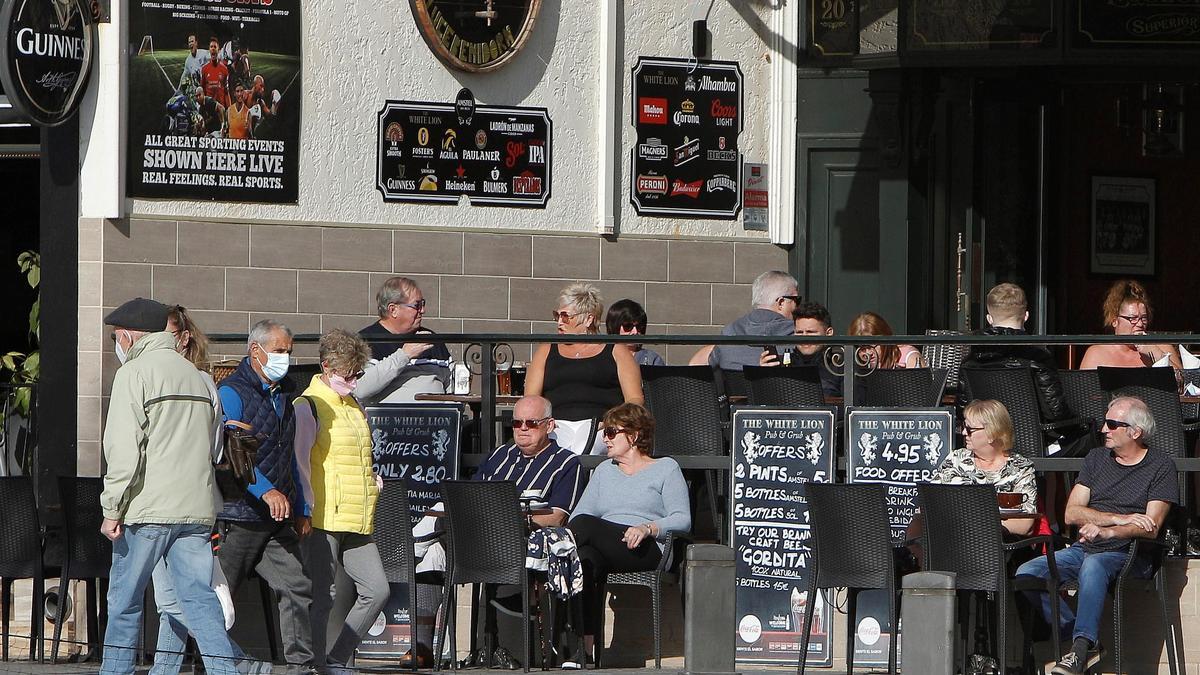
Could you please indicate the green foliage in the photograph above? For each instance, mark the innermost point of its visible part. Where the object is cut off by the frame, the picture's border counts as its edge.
(25, 368)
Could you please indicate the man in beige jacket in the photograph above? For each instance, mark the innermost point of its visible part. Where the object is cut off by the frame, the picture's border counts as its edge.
(157, 500)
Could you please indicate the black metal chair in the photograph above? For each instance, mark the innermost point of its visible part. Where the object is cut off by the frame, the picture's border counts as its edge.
(904, 388)
(668, 571)
(89, 554)
(790, 387)
(1126, 583)
(1082, 391)
(395, 543)
(1015, 388)
(852, 548)
(687, 418)
(487, 544)
(21, 556)
(962, 534)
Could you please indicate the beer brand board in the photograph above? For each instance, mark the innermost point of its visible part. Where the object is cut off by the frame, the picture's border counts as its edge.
(418, 443)
(777, 451)
(686, 161)
(46, 49)
(440, 152)
(214, 100)
(899, 448)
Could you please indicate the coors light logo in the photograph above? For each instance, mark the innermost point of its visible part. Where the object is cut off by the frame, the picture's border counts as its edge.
(47, 46)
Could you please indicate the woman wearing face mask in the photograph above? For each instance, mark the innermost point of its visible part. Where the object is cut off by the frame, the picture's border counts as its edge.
(192, 343)
(333, 448)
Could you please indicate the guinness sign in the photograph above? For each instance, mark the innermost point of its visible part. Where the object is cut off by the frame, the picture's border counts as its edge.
(47, 56)
(475, 35)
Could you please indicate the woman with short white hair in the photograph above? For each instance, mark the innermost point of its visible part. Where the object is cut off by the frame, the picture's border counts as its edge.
(582, 380)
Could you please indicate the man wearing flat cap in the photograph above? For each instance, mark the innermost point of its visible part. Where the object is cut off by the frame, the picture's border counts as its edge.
(158, 489)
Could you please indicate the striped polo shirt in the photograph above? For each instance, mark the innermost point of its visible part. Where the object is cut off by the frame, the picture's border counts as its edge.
(555, 472)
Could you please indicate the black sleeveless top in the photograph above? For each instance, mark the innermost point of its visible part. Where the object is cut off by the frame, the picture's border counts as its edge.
(581, 389)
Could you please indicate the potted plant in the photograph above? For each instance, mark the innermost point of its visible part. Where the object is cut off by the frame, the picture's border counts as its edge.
(23, 369)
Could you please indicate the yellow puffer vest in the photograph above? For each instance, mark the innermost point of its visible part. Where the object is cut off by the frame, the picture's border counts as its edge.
(343, 481)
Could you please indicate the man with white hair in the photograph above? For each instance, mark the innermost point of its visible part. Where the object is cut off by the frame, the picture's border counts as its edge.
(400, 370)
(1124, 491)
(775, 296)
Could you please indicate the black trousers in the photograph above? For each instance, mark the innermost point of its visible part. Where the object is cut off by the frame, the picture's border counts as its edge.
(601, 550)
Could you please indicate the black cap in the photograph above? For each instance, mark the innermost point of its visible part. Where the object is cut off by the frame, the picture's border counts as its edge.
(139, 314)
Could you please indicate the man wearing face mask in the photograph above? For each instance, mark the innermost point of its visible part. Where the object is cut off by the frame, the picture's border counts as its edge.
(158, 488)
(262, 530)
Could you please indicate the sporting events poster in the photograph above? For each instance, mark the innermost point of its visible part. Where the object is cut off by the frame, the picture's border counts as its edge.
(214, 100)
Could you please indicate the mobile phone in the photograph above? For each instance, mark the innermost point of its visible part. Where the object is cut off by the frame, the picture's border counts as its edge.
(771, 349)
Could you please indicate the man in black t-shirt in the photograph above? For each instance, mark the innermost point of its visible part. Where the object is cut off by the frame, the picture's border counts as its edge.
(1125, 490)
(398, 371)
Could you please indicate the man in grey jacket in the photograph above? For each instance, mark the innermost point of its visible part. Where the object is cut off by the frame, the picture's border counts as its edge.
(775, 296)
(400, 370)
(158, 491)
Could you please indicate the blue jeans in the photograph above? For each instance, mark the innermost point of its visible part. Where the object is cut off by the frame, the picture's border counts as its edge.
(189, 559)
(1094, 572)
(172, 632)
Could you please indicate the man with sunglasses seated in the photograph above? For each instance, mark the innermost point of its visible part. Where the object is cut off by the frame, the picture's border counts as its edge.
(550, 476)
(398, 371)
(1125, 490)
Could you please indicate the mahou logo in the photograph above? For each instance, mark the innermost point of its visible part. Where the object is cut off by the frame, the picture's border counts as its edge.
(652, 110)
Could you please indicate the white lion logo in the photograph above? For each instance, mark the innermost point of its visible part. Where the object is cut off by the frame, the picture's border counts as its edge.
(813, 446)
(867, 444)
(933, 448)
(441, 443)
(750, 446)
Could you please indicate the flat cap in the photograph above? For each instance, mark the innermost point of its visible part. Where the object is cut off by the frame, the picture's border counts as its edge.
(139, 314)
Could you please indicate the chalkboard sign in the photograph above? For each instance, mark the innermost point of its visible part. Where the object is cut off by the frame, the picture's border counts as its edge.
(899, 448)
(687, 115)
(775, 452)
(1137, 24)
(419, 444)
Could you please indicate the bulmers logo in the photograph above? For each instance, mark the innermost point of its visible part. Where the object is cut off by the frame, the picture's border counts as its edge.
(691, 189)
(652, 110)
(652, 185)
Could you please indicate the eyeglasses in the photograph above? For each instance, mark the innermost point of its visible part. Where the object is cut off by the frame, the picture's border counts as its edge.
(417, 306)
(563, 316)
(1143, 319)
(968, 430)
(1117, 424)
(351, 377)
(630, 327)
(611, 432)
(794, 298)
(528, 424)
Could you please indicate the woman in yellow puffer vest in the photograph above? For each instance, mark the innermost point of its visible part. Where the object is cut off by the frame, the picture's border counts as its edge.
(333, 452)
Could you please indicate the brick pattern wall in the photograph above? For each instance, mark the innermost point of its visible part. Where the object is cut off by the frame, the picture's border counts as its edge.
(314, 278)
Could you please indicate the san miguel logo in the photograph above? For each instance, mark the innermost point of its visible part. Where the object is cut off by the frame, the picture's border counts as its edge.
(47, 47)
(475, 36)
(652, 110)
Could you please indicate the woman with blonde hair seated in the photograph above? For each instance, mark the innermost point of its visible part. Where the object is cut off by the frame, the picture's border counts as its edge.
(1127, 311)
(582, 379)
(886, 357)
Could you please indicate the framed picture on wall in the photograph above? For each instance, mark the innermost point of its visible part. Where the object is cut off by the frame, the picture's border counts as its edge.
(1123, 224)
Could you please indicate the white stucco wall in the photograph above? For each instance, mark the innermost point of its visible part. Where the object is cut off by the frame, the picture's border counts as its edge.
(358, 54)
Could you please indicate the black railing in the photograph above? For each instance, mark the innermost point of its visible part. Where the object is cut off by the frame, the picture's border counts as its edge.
(483, 351)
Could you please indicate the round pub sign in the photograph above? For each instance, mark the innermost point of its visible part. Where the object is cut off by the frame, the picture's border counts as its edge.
(475, 35)
(47, 48)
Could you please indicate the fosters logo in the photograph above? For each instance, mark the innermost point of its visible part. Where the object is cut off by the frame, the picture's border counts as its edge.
(652, 110)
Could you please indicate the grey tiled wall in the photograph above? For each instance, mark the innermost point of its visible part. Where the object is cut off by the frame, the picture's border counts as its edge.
(315, 278)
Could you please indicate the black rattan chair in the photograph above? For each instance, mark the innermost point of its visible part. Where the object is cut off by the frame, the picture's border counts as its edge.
(395, 543)
(852, 547)
(687, 418)
(1127, 583)
(789, 387)
(1082, 391)
(487, 544)
(21, 556)
(963, 535)
(948, 357)
(667, 572)
(1014, 387)
(904, 388)
(89, 554)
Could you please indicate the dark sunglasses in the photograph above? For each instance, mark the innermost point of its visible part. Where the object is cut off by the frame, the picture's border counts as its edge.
(418, 305)
(528, 424)
(968, 430)
(630, 327)
(1117, 424)
(353, 376)
(563, 316)
(794, 298)
(611, 432)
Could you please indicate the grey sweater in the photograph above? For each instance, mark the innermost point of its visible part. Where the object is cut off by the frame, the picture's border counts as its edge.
(655, 494)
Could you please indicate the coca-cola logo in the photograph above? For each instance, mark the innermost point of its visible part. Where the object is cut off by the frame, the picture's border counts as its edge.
(47, 47)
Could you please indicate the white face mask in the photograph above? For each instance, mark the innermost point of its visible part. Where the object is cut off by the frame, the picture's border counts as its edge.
(122, 355)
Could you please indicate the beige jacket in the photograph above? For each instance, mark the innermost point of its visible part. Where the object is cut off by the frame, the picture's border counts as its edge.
(158, 438)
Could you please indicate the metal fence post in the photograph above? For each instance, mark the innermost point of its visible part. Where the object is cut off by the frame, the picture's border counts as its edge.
(709, 614)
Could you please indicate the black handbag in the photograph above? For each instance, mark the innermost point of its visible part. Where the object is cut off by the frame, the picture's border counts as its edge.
(235, 471)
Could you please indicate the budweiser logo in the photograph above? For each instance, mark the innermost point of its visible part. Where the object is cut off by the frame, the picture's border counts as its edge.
(691, 189)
